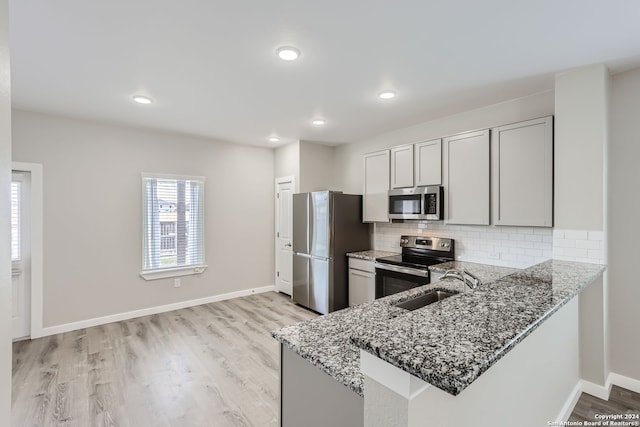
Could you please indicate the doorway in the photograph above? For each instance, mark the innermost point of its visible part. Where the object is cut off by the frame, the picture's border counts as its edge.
(20, 254)
(26, 250)
(284, 254)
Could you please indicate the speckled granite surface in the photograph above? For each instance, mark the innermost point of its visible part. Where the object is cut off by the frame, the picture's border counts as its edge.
(485, 272)
(449, 343)
(326, 340)
(370, 255)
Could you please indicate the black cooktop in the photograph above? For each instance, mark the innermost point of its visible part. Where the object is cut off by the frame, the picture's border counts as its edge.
(421, 252)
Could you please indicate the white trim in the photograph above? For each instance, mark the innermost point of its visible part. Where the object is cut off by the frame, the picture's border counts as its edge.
(37, 281)
(173, 272)
(171, 176)
(601, 392)
(624, 382)
(67, 327)
(568, 406)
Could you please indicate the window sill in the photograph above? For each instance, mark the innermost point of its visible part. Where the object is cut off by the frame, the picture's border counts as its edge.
(173, 272)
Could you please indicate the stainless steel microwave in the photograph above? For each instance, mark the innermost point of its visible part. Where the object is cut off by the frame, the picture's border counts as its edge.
(421, 203)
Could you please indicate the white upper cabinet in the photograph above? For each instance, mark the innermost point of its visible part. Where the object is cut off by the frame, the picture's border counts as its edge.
(375, 199)
(466, 178)
(428, 162)
(402, 166)
(522, 173)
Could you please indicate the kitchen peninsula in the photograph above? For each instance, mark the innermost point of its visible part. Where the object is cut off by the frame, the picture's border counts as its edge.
(406, 368)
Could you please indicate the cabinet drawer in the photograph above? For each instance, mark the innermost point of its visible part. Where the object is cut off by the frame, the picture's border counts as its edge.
(362, 264)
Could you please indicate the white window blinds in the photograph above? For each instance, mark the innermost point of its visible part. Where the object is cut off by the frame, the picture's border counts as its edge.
(15, 221)
(173, 222)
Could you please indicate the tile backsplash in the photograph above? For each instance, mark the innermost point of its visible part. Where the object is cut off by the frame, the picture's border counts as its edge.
(518, 247)
(579, 245)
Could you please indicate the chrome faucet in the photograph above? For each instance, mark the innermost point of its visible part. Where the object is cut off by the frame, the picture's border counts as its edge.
(472, 281)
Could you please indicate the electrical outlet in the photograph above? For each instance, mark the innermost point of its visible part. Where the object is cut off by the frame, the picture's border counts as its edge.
(177, 283)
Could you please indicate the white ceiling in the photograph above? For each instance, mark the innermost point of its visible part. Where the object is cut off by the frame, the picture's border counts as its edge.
(211, 66)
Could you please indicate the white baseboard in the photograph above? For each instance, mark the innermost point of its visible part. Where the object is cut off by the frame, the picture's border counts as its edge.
(67, 327)
(568, 406)
(601, 392)
(624, 382)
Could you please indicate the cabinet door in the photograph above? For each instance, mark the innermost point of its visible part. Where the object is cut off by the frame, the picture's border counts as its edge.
(466, 161)
(362, 287)
(402, 166)
(522, 173)
(428, 163)
(375, 200)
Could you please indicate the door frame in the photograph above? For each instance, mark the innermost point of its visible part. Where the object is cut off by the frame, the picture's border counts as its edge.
(279, 180)
(36, 224)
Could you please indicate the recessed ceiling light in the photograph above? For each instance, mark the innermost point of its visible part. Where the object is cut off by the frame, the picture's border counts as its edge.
(387, 94)
(140, 99)
(273, 139)
(318, 122)
(288, 53)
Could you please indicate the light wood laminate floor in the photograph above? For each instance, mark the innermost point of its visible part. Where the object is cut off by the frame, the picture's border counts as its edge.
(210, 365)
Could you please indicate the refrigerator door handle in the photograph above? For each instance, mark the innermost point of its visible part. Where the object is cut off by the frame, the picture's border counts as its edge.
(303, 255)
(310, 224)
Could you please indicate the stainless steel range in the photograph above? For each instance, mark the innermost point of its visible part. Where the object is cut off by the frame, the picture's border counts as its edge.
(411, 268)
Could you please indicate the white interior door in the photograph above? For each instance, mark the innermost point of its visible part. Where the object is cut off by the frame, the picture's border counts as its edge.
(284, 220)
(21, 254)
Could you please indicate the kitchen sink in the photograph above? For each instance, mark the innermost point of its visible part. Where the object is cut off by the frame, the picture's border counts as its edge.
(424, 300)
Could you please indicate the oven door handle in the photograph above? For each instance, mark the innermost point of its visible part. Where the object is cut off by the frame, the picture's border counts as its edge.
(403, 270)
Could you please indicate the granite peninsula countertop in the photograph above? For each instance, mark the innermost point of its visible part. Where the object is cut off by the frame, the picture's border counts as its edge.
(370, 255)
(447, 344)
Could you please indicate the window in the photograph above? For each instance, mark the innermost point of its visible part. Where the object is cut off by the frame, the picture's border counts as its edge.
(173, 226)
(15, 221)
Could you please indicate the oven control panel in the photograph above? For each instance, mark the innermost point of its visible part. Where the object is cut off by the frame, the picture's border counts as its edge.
(421, 242)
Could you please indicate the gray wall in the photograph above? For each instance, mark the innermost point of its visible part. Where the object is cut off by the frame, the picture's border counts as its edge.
(580, 138)
(348, 160)
(312, 164)
(287, 162)
(624, 228)
(316, 167)
(92, 213)
(5, 256)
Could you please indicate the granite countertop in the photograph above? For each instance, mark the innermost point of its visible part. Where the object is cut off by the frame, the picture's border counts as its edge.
(447, 344)
(370, 255)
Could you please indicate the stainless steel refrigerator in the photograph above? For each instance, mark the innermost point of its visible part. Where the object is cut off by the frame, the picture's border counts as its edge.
(326, 225)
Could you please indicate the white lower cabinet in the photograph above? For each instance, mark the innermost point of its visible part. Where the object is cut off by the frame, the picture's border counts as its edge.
(362, 281)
